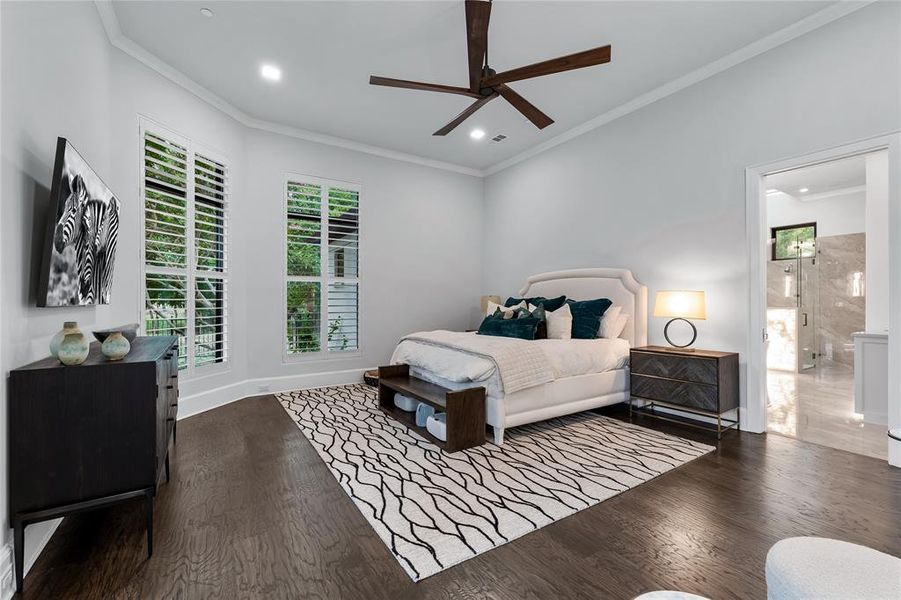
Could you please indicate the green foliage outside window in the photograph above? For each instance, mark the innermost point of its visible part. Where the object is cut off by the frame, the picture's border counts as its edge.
(795, 241)
(304, 259)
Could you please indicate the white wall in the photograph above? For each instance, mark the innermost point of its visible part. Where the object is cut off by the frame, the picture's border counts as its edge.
(877, 220)
(420, 250)
(62, 90)
(838, 215)
(661, 190)
(140, 92)
(61, 77)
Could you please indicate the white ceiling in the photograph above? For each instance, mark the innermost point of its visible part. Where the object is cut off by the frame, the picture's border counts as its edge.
(846, 176)
(327, 50)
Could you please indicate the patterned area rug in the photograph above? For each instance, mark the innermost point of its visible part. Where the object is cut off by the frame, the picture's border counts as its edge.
(434, 510)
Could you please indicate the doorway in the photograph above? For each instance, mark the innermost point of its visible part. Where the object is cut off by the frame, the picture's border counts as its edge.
(820, 296)
(816, 300)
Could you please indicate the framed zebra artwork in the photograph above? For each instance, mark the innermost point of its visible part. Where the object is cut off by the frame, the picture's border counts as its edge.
(82, 230)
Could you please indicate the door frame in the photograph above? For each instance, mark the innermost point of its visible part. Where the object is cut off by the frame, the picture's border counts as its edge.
(757, 236)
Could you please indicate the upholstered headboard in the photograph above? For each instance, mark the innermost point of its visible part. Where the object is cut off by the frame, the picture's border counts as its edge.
(585, 284)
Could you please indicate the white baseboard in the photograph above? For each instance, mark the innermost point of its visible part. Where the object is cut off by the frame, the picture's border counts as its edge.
(194, 404)
(7, 578)
(188, 406)
(32, 551)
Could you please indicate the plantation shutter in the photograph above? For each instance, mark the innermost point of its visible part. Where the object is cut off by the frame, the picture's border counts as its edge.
(165, 240)
(343, 249)
(322, 266)
(210, 229)
(185, 260)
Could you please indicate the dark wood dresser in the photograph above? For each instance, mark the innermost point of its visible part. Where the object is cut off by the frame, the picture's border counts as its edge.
(696, 382)
(90, 435)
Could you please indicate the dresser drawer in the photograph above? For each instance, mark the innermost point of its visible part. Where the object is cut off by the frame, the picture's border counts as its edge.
(699, 370)
(690, 395)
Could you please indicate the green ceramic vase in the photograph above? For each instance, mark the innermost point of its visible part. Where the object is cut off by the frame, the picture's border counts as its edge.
(56, 340)
(115, 346)
(73, 350)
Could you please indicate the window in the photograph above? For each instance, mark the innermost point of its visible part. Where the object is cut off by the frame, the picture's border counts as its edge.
(185, 231)
(794, 241)
(322, 267)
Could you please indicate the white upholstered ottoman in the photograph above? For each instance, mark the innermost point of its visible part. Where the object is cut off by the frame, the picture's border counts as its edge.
(804, 568)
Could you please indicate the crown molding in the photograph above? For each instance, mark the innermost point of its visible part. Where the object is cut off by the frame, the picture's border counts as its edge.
(815, 21)
(117, 39)
(806, 25)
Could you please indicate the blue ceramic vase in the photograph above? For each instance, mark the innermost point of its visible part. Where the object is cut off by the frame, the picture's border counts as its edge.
(56, 340)
(115, 346)
(73, 350)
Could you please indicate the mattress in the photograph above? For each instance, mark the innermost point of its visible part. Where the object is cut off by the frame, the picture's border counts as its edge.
(455, 370)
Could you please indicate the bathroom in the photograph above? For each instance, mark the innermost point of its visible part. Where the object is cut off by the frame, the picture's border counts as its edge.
(827, 302)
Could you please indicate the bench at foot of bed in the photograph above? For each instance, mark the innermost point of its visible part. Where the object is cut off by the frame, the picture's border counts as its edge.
(465, 408)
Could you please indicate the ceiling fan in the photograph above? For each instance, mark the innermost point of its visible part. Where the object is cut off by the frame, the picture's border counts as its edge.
(485, 84)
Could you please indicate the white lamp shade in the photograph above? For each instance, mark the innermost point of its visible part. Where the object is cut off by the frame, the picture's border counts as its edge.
(487, 299)
(682, 304)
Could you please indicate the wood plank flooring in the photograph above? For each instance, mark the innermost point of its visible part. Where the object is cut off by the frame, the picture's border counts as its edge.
(252, 512)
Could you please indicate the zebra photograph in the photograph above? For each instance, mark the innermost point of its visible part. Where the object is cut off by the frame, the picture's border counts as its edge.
(82, 234)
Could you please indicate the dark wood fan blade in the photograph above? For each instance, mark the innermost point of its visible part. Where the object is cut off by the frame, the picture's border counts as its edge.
(465, 114)
(588, 58)
(528, 109)
(477, 14)
(417, 85)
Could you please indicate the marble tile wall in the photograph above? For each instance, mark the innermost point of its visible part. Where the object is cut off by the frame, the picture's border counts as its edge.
(842, 265)
(834, 292)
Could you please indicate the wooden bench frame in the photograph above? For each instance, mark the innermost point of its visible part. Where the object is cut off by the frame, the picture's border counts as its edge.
(465, 408)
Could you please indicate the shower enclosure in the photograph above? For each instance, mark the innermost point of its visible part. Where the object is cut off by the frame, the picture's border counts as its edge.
(793, 297)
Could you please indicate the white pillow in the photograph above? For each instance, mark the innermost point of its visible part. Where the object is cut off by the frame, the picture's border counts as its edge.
(508, 312)
(615, 329)
(559, 323)
(609, 323)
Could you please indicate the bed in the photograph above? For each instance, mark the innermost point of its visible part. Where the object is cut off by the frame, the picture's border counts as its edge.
(564, 376)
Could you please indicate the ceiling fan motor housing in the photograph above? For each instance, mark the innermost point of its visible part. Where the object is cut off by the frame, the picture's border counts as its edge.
(486, 73)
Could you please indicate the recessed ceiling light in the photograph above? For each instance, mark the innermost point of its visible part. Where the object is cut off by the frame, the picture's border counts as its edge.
(803, 190)
(772, 191)
(271, 72)
(206, 12)
(477, 134)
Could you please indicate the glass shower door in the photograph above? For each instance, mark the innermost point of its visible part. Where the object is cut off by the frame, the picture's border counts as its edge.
(808, 309)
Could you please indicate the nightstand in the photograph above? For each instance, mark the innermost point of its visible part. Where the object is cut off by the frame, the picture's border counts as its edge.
(696, 382)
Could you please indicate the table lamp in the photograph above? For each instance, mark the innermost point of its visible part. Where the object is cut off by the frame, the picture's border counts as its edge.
(680, 305)
(486, 300)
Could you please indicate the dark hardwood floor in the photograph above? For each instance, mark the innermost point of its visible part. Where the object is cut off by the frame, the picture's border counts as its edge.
(252, 512)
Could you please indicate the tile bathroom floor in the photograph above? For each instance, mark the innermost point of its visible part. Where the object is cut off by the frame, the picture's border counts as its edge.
(817, 406)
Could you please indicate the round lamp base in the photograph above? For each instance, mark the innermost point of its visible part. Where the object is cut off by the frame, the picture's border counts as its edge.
(694, 333)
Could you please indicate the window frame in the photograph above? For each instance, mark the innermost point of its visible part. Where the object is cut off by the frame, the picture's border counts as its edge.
(191, 270)
(774, 230)
(323, 354)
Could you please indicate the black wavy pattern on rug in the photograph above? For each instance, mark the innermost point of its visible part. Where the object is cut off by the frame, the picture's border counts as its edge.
(434, 510)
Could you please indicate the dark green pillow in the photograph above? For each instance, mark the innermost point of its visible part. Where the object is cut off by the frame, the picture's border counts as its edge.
(523, 328)
(587, 317)
(550, 304)
(540, 314)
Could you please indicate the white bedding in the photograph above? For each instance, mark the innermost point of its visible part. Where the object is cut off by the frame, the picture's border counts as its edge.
(566, 358)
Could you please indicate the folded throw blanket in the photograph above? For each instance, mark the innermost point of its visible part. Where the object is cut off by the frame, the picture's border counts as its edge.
(520, 364)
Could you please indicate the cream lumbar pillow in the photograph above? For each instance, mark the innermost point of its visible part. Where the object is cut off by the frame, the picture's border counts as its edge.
(559, 323)
(508, 312)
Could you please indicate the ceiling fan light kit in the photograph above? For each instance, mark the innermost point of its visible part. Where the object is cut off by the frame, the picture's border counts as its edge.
(486, 84)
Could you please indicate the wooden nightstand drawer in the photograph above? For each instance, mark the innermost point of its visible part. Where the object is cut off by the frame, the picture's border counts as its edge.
(700, 396)
(699, 370)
